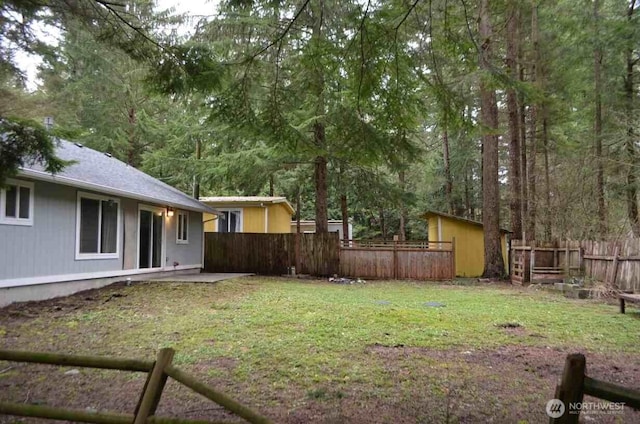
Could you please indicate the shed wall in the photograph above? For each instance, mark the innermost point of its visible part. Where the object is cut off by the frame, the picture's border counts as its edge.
(469, 244)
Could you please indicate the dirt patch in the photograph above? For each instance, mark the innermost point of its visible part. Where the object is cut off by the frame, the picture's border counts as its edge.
(508, 384)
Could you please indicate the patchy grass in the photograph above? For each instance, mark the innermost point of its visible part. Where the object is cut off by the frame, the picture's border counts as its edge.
(314, 351)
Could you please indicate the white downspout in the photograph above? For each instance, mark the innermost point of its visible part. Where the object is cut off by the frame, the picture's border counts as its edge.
(266, 218)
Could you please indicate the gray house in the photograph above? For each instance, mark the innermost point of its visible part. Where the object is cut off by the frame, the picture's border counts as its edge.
(96, 222)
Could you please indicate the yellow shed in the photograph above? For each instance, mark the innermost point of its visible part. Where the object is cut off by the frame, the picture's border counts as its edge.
(469, 236)
(248, 214)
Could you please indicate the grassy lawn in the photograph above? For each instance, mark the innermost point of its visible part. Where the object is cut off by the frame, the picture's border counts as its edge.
(320, 352)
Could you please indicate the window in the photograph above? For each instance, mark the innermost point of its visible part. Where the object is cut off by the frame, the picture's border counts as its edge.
(16, 203)
(182, 230)
(98, 227)
(230, 221)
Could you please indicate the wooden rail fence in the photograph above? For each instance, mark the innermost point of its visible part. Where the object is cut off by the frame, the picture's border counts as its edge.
(158, 373)
(575, 384)
(419, 260)
(616, 263)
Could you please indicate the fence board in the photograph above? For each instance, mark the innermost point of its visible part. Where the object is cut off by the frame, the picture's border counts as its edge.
(271, 254)
(366, 263)
(397, 263)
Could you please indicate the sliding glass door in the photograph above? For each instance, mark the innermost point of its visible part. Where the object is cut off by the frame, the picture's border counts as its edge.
(151, 238)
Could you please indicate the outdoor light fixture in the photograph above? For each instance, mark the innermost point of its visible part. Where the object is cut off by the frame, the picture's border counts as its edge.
(170, 211)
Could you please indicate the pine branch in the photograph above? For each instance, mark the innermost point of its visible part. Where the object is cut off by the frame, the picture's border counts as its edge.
(282, 35)
(404, 18)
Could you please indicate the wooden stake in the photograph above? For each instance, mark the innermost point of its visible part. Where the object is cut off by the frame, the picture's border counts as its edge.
(571, 388)
(154, 386)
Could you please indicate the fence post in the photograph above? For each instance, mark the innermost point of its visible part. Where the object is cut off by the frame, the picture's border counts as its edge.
(395, 257)
(532, 261)
(153, 387)
(616, 254)
(453, 258)
(567, 260)
(571, 388)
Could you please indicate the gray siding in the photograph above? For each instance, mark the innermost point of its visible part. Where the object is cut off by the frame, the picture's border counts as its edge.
(185, 254)
(48, 247)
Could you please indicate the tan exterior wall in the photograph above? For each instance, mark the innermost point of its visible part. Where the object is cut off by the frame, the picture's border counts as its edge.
(279, 219)
(253, 219)
(469, 244)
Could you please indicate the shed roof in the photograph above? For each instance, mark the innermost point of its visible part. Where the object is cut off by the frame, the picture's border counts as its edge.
(100, 172)
(222, 201)
(430, 214)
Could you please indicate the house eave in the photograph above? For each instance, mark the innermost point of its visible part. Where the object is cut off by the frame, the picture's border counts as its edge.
(59, 179)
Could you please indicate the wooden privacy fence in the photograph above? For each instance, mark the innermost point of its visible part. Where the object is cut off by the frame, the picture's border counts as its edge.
(614, 262)
(325, 255)
(158, 373)
(398, 260)
(575, 384)
(272, 254)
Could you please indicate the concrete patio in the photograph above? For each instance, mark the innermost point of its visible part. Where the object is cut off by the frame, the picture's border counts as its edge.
(204, 277)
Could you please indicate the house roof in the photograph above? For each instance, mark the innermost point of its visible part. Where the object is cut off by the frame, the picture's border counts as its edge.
(430, 214)
(100, 172)
(222, 201)
(313, 222)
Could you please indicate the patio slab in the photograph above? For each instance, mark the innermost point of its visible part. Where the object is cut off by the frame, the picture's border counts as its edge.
(204, 277)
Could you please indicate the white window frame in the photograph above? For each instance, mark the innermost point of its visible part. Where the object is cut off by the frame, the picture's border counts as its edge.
(180, 214)
(163, 247)
(89, 256)
(9, 220)
(231, 210)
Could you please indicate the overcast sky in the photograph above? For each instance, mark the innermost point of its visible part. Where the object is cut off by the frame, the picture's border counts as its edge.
(196, 8)
(190, 7)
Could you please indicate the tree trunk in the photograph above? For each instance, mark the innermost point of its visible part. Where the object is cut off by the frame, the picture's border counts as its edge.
(597, 68)
(196, 177)
(530, 232)
(271, 185)
(448, 186)
(383, 226)
(345, 218)
(467, 196)
(547, 183)
(298, 206)
(403, 210)
(632, 189)
(514, 122)
(493, 263)
(133, 155)
(320, 163)
(524, 189)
